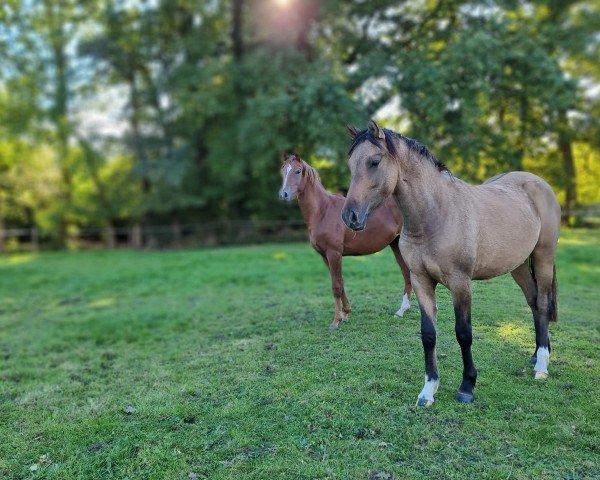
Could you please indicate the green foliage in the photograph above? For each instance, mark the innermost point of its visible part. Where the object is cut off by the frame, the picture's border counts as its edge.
(215, 92)
(277, 115)
(225, 357)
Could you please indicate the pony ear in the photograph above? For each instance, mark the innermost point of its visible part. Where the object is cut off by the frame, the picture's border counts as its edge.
(289, 156)
(375, 130)
(353, 131)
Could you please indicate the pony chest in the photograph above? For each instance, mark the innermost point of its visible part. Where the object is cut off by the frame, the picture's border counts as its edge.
(319, 240)
(412, 252)
(434, 260)
(314, 236)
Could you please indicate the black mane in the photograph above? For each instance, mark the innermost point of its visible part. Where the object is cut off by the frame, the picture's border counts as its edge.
(413, 145)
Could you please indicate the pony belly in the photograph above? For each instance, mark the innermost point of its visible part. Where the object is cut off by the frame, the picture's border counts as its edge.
(491, 273)
(367, 242)
(504, 249)
(494, 267)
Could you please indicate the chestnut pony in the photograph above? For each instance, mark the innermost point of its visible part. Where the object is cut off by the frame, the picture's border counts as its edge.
(322, 212)
(454, 233)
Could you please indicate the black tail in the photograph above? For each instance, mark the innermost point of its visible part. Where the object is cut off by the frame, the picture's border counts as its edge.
(552, 296)
(553, 299)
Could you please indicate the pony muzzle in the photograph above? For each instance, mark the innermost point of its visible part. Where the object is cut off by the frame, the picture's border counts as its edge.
(285, 195)
(355, 218)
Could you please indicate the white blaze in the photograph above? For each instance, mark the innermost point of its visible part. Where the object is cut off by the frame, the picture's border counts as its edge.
(287, 172)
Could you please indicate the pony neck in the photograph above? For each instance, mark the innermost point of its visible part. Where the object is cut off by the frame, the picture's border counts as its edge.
(420, 193)
(311, 199)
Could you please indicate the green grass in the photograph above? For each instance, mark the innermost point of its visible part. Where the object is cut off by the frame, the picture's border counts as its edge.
(225, 356)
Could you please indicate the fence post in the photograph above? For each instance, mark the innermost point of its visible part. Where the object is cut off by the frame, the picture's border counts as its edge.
(35, 239)
(3, 235)
(136, 236)
(109, 236)
(176, 232)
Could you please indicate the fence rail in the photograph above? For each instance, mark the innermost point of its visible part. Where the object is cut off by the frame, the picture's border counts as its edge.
(190, 235)
(159, 236)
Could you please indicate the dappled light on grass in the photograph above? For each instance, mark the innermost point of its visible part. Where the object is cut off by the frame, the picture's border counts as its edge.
(102, 302)
(357, 259)
(578, 237)
(17, 259)
(512, 331)
(587, 268)
(279, 256)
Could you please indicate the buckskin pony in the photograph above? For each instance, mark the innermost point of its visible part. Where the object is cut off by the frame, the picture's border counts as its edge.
(329, 236)
(455, 232)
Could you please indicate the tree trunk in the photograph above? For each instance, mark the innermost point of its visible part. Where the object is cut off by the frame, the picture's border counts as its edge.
(136, 237)
(109, 239)
(565, 146)
(59, 112)
(2, 234)
(176, 230)
(91, 158)
(237, 39)
(237, 28)
(523, 119)
(140, 154)
(35, 239)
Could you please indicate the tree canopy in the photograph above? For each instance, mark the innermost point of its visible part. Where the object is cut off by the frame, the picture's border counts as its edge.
(139, 113)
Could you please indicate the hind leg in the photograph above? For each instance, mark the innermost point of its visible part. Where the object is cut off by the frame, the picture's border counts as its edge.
(543, 263)
(346, 308)
(523, 277)
(461, 299)
(406, 274)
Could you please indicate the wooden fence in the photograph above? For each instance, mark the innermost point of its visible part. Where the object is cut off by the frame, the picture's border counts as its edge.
(159, 236)
(191, 235)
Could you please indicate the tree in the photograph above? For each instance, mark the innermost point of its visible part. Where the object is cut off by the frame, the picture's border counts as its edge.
(486, 85)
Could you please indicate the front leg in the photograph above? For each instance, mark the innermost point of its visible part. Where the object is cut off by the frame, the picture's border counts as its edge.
(461, 298)
(334, 261)
(425, 289)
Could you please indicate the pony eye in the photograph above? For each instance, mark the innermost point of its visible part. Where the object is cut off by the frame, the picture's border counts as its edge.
(298, 172)
(375, 160)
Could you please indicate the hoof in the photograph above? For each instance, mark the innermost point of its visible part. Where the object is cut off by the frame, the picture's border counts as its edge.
(462, 397)
(423, 402)
(404, 307)
(540, 375)
(335, 324)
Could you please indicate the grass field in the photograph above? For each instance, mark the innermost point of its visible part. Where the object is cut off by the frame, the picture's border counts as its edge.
(218, 364)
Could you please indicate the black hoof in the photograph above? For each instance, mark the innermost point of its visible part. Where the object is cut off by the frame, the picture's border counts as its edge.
(533, 360)
(423, 402)
(462, 397)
